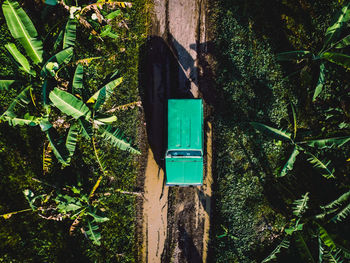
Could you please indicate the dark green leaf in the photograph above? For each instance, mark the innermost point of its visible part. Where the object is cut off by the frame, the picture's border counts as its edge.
(292, 55)
(6, 83)
(290, 163)
(279, 134)
(320, 82)
(337, 58)
(58, 146)
(70, 34)
(77, 85)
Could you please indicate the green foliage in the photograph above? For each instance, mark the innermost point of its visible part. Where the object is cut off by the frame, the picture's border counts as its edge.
(46, 241)
(116, 138)
(19, 58)
(70, 34)
(300, 205)
(23, 30)
(284, 244)
(331, 41)
(69, 104)
(299, 147)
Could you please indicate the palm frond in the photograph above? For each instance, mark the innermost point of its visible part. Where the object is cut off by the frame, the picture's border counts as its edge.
(300, 205)
(276, 133)
(273, 255)
(322, 165)
(326, 239)
(21, 100)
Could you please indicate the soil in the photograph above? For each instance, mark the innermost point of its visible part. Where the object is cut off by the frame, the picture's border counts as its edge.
(176, 220)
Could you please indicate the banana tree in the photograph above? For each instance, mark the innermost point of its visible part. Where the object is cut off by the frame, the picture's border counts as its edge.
(331, 43)
(302, 229)
(37, 74)
(299, 146)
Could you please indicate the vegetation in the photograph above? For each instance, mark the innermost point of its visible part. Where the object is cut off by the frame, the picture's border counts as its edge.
(56, 93)
(258, 179)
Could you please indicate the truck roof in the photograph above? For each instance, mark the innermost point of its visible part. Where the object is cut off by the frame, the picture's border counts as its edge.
(185, 124)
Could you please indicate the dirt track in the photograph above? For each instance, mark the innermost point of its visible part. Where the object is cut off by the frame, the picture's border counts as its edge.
(176, 220)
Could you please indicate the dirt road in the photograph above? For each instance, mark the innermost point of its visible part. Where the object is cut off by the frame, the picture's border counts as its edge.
(176, 220)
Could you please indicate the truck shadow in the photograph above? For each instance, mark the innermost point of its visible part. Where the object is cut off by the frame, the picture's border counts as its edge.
(159, 75)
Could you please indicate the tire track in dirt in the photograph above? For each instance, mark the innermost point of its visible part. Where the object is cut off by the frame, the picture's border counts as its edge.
(177, 220)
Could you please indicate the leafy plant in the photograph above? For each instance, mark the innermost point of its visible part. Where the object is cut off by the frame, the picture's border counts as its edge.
(331, 42)
(329, 251)
(299, 146)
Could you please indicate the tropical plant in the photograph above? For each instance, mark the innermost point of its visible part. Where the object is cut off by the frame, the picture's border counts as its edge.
(98, 17)
(331, 42)
(85, 116)
(301, 227)
(299, 146)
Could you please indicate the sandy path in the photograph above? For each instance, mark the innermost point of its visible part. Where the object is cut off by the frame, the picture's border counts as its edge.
(155, 212)
(177, 230)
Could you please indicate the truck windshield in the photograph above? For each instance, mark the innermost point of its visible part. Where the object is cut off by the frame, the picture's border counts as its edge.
(181, 153)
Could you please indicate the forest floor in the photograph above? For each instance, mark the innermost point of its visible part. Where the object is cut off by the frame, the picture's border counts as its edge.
(176, 220)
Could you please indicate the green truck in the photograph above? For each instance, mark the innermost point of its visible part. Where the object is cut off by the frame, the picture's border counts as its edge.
(184, 155)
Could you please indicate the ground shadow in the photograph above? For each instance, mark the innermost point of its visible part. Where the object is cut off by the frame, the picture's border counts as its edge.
(159, 74)
(187, 246)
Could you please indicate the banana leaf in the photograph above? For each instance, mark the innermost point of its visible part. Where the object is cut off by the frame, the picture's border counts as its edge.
(290, 163)
(86, 128)
(322, 165)
(72, 139)
(334, 30)
(58, 40)
(103, 94)
(305, 252)
(115, 137)
(77, 85)
(28, 120)
(337, 58)
(276, 133)
(292, 55)
(300, 205)
(19, 58)
(93, 233)
(23, 30)
(21, 100)
(273, 255)
(58, 146)
(61, 57)
(69, 104)
(339, 201)
(326, 239)
(105, 119)
(343, 43)
(70, 34)
(113, 14)
(47, 87)
(328, 142)
(320, 82)
(6, 83)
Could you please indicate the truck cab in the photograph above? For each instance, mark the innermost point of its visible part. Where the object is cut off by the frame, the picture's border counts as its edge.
(184, 155)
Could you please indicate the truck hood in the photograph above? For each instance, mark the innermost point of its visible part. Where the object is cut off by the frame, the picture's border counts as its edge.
(184, 171)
